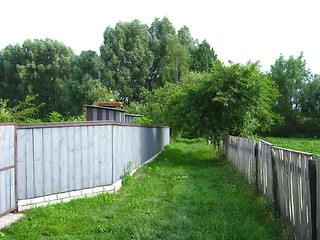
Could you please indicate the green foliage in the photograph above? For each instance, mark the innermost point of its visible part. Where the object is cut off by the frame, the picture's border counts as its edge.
(135, 108)
(133, 58)
(171, 53)
(189, 192)
(85, 85)
(231, 99)
(10, 58)
(55, 117)
(299, 91)
(100, 93)
(144, 121)
(5, 113)
(38, 67)
(44, 69)
(58, 117)
(127, 178)
(203, 58)
(127, 59)
(23, 112)
(310, 145)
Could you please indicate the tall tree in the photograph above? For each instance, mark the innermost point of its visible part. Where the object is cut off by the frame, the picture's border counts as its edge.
(127, 59)
(160, 31)
(174, 63)
(84, 76)
(290, 75)
(10, 58)
(203, 58)
(186, 39)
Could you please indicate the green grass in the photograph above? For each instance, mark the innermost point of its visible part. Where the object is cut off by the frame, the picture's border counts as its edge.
(309, 145)
(189, 192)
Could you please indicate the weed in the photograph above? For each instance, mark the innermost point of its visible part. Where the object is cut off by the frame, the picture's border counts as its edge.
(127, 179)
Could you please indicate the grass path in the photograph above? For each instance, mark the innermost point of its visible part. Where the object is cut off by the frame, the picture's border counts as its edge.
(189, 192)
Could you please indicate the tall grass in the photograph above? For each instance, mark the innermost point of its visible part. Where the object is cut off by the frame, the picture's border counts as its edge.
(189, 192)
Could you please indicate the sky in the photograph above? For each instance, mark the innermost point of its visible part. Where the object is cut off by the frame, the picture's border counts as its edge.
(256, 30)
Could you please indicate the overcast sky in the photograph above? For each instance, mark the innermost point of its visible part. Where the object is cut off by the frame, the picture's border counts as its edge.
(238, 30)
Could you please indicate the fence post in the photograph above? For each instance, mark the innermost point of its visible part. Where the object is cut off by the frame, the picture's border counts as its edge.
(276, 197)
(318, 197)
(313, 189)
(256, 156)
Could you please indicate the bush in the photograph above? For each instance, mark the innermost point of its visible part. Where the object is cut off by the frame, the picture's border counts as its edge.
(23, 112)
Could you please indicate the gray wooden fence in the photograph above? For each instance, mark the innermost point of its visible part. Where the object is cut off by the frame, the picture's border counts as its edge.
(294, 190)
(284, 176)
(241, 152)
(39, 160)
(318, 197)
(265, 171)
(8, 200)
(65, 157)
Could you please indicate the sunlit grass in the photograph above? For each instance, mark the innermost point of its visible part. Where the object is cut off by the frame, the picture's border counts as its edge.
(310, 145)
(189, 192)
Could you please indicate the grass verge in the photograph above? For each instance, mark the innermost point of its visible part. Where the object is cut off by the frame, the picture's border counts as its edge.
(189, 192)
(310, 145)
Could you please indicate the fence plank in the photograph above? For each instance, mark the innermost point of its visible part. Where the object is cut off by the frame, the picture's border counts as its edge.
(21, 165)
(265, 170)
(71, 157)
(3, 187)
(84, 157)
(38, 162)
(90, 159)
(97, 132)
(7, 168)
(56, 180)
(29, 166)
(47, 161)
(78, 158)
(63, 157)
(318, 197)
(294, 188)
(313, 197)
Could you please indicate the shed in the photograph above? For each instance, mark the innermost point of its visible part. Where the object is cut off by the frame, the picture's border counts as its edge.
(97, 113)
(111, 104)
(130, 118)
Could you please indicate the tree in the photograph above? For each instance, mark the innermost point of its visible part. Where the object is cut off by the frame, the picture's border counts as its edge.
(10, 58)
(203, 58)
(187, 40)
(174, 63)
(43, 70)
(163, 40)
(85, 74)
(309, 117)
(126, 59)
(228, 100)
(290, 75)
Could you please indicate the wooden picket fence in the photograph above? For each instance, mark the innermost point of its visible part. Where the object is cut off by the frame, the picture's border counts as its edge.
(283, 176)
